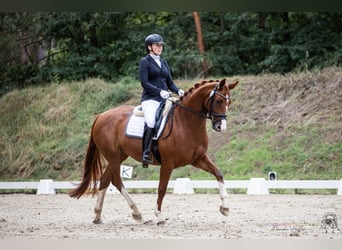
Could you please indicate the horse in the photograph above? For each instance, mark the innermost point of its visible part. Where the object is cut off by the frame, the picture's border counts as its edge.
(184, 141)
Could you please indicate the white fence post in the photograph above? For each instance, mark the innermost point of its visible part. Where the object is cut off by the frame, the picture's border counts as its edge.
(46, 187)
(257, 186)
(339, 192)
(183, 186)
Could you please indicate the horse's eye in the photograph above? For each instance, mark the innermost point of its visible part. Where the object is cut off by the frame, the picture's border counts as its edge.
(219, 102)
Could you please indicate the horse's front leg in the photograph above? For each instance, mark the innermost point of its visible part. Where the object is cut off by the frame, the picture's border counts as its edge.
(165, 173)
(104, 183)
(117, 182)
(224, 208)
(207, 165)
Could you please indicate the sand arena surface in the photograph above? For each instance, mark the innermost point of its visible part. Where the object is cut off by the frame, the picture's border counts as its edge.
(195, 216)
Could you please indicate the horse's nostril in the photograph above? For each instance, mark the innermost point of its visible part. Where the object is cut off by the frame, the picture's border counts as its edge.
(220, 125)
(217, 127)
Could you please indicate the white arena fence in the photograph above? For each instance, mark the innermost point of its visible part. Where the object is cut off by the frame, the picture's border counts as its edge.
(184, 185)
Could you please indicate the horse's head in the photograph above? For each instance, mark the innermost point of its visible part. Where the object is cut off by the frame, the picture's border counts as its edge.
(209, 99)
(217, 104)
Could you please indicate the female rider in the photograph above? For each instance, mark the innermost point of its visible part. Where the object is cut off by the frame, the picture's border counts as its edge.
(156, 80)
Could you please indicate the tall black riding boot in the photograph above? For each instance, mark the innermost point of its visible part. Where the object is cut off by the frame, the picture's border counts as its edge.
(146, 144)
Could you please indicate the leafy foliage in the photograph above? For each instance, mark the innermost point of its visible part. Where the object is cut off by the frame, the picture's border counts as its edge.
(56, 46)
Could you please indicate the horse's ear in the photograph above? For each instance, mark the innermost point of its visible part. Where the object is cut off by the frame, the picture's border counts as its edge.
(222, 83)
(232, 85)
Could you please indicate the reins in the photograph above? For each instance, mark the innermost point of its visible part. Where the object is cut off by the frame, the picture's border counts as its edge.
(177, 103)
(207, 115)
(198, 113)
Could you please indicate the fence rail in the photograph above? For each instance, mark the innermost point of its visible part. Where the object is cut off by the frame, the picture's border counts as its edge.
(185, 185)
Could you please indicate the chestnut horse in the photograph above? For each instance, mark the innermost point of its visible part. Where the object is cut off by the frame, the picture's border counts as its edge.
(183, 141)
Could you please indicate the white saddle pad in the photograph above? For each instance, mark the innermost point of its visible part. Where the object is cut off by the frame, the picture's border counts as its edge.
(135, 127)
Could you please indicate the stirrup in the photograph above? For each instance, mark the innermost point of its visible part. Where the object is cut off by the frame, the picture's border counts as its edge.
(146, 160)
(145, 164)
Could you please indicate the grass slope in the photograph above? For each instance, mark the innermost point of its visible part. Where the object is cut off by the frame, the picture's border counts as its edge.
(291, 124)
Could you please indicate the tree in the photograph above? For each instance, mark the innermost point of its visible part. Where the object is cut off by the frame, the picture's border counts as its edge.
(21, 49)
(200, 42)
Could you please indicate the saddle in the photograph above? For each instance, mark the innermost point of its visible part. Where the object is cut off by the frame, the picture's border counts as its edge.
(135, 125)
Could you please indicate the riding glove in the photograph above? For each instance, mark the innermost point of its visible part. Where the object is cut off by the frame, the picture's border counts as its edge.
(180, 92)
(164, 94)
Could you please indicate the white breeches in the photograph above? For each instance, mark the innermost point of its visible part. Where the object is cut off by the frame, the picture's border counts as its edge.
(149, 108)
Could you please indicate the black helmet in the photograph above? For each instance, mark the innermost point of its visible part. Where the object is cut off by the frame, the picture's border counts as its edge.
(153, 38)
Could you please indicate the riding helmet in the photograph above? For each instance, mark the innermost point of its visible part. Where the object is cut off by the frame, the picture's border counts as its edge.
(153, 38)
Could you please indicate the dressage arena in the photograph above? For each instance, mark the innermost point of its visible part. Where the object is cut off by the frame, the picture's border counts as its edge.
(195, 216)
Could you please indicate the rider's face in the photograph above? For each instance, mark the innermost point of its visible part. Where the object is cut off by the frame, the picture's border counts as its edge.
(156, 48)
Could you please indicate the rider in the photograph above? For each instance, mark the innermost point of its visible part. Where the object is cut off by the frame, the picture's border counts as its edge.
(156, 80)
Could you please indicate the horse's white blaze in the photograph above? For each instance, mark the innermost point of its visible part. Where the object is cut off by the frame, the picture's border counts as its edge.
(223, 125)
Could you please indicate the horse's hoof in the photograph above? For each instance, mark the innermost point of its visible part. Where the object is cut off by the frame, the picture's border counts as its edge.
(137, 217)
(224, 210)
(97, 221)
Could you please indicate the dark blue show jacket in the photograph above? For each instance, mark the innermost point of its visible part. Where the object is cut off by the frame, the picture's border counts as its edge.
(154, 78)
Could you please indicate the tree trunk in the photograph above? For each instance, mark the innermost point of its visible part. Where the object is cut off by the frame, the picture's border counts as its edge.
(200, 41)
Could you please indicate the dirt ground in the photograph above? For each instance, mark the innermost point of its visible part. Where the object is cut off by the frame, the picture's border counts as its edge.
(196, 216)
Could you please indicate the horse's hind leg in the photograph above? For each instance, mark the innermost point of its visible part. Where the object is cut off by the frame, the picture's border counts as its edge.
(117, 182)
(104, 183)
(136, 213)
(112, 174)
(98, 207)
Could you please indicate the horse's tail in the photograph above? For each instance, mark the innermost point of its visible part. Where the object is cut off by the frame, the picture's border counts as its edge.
(92, 169)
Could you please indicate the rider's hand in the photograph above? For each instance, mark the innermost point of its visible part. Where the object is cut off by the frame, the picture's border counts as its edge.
(180, 92)
(164, 94)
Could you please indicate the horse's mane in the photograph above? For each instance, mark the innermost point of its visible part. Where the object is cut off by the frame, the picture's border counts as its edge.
(196, 86)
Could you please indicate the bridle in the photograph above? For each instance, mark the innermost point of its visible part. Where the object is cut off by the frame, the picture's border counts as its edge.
(210, 114)
(206, 115)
